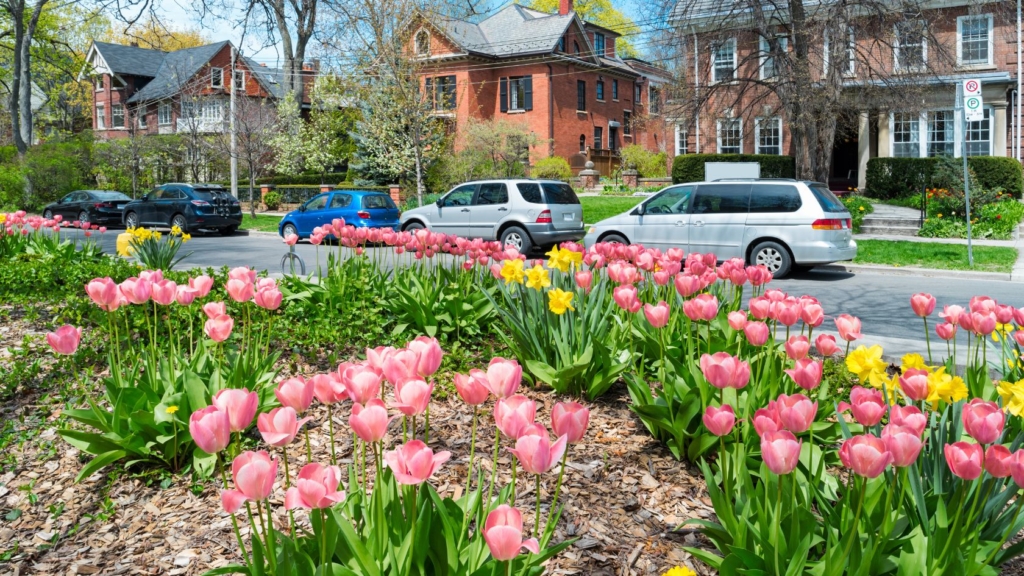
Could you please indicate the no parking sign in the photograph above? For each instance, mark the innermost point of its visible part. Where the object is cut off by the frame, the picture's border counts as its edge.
(973, 103)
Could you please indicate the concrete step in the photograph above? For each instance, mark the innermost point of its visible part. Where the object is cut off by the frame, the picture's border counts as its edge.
(889, 230)
(898, 222)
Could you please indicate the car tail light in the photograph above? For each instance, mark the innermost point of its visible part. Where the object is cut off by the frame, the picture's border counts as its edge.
(363, 214)
(849, 223)
(200, 203)
(544, 217)
(103, 205)
(828, 224)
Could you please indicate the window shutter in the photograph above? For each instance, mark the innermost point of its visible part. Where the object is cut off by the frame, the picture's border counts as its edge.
(528, 91)
(503, 94)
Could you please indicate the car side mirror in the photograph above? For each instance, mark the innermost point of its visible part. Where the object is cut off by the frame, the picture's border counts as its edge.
(439, 202)
(302, 208)
(639, 211)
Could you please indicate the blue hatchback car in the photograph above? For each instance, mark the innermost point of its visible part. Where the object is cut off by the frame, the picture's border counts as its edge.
(360, 208)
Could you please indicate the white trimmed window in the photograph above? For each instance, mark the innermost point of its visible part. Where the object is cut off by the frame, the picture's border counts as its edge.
(937, 133)
(769, 67)
(941, 133)
(140, 112)
(216, 77)
(979, 136)
(117, 115)
(99, 83)
(730, 136)
(163, 114)
(101, 117)
(974, 40)
(723, 61)
(906, 135)
(850, 56)
(911, 46)
(213, 111)
(239, 83)
(423, 43)
(681, 146)
(768, 135)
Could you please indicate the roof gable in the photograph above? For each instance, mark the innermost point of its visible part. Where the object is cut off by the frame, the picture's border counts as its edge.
(177, 69)
(131, 60)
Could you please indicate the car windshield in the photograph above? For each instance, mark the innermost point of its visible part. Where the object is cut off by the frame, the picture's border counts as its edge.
(559, 194)
(109, 196)
(378, 201)
(209, 194)
(827, 200)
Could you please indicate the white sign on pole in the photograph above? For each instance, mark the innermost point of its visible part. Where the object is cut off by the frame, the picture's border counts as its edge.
(973, 111)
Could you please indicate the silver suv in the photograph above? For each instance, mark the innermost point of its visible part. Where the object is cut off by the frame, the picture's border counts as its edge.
(781, 223)
(521, 214)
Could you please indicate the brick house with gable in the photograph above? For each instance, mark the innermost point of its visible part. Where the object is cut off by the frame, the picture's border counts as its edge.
(556, 73)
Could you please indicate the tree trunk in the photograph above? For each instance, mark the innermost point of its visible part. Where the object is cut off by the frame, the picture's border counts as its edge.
(16, 10)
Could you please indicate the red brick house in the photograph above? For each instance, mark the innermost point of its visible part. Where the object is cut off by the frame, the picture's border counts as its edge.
(151, 91)
(556, 73)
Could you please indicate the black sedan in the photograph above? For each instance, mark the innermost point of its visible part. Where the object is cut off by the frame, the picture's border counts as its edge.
(188, 206)
(100, 207)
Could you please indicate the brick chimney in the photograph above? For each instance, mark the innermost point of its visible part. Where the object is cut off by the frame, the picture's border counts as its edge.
(564, 7)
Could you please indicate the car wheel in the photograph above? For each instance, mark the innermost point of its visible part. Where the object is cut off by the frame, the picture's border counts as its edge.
(411, 226)
(48, 215)
(288, 230)
(772, 256)
(180, 221)
(615, 239)
(83, 217)
(228, 231)
(516, 237)
(131, 220)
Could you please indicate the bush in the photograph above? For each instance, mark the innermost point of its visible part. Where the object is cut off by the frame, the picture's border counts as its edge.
(859, 207)
(272, 200)
(552, 168)
(690, 167)
(12, 187)
(300, 179)
(648, 164)
(995, 172)
(888, 178)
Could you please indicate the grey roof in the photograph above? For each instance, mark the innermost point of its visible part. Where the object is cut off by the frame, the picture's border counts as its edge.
(511, 31)
(177, 68)
(130, 59)
(272, 79)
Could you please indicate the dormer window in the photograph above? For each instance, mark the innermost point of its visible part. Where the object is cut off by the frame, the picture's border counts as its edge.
(561, 44)
(575, 48)
(99, 83)
(599, 44)
(422, 43)
(216, 77)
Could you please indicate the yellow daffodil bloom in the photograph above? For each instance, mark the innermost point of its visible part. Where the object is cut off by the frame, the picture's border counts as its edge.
(574, 258)
(172, 409)
(557, 259)
(913, 362)
(185, 238)
(942, 386)
(157, 236)
(559, 301)
(1001, 331)
(3, 218)
(1012, 394)
(175, 231)
(538, 278)
(680, 571)
(868, 365)
(512, 271)
(891, 386)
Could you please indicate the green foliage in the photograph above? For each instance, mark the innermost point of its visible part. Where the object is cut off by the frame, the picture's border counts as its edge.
(648, 164)
(935, 255)
(901, 177)
(859, 207)
(690, 167)
(998, 172)
(600, 12)
(55, 169)
(552, 168)
(12, 187)
(273, 200)
(287, 141)
(996, 221)
(443, 303)
(155, 252)
(46, 275)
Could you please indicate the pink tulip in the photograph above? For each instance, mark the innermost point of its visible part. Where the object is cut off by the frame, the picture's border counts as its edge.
(401, 366)
(361, 381)
(702, 307)
(737, 320)
(983, 420)
(370, 421)
(279, 426)
(964, 459)
(65, 340)
(914, 383)
(760, 307)
(104, 293)
(687, 284)
(210, 429)
(503, 532)
(430, 354)
(806, 373)
(219, 328)
(315, 488)
(412, 397)
(625, 297)
(164, 292)
(243, 273)
(812, 314)
(137, 290)
(1017, 467)
(202, 284)
(951, 313)
(756, 332)
(295, 392)
(570, 419)
(375, 357)
(240, 405)
(719, 421)
(826, 344)
(473, 388)
(866, 455)
(413, 462)
(513, 414)
(536, 452)
(867, 406)
(584, 279)
(253, 474)
(1018, 336)
(984, 322)
(185, 295)
(767, 419)
(998, 461)
(781, 451)
(725, 371)
(982, 304)
(796, 412)
(328, 389)
(797, 347)
(849, 327)
(657, 315)
(909, 417)
(214, 309)
(269, 299)
(922, 303)
(504, 377)
(788, 311)
(240, 290)
(904, 444)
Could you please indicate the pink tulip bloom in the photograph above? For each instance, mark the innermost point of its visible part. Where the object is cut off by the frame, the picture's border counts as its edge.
(687, 284)
(826, 345)
(536, 452)
(290, 239)
(965, 459)
(202, 284)
(328, 389)
(984, 322)
(781, 451)
(65, 340)
(702, 307)
(657, 315)
(1017, 467)
(723, 370)
(719, 421)
(370, 421)
(362, 382)
(737, 320)
(983, 420)
(756, 332)
(1019, 337)
(240, 290)
(760, 307)
(584, 279)
(137, 290)
(151, 276)
(315, 488)
(164, 292)
(412, 397)
(866, 455)
(210, 429)
(104, 293)
(796, 412)
(787, 312)
(914, 383)
(867, 406)
(279, 426)
(240, 405)
(185, 295)
(922, 303)
(214, 309)
(253, 474)
(401, 366)
(269, 298)
(1004, 314)
(806, 373)
(413, 462)
(982, 304)
(503, 532)
(767, 419)
(513, 414)
(812, 314)
(849, 327)
(473, 388)
(430, 354)
(903, 443)
(998, 461)
(909, 417)
(375, 357)
(296, 392)
(951, 313)
(625, 297)
(570, 419)
(504, 377)
(797, 347)
(219, 328)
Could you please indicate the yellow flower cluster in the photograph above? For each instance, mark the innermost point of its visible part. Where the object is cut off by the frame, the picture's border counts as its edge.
(562, 259)
(942, 386)
(143, 234)
(1012, 394)
(868, 366)
(512, 271)
(1002, 331)
(559, 301)
(680, 571)
(3, 218)
(538, 278)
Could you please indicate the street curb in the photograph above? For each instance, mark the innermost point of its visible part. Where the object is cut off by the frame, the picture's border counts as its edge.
(914, 271)
(255, 233)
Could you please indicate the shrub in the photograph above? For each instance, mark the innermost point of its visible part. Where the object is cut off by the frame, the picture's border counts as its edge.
(901, 177)
(552, 168)
(897, 177)
(648, 164)
(995, 172)
(273, 200)
(690, 167)
(12, 187)
(54, 169)
(859, 207)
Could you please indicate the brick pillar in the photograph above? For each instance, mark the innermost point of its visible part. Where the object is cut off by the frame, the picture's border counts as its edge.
(395, 191)
(589, 178)
(326, 187)
(629, 178)
(264, 190)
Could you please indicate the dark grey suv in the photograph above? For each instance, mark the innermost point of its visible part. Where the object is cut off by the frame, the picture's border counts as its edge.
(187, 206)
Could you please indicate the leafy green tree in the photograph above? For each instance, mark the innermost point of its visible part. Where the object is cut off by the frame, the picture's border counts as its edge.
(327, 135)
(287, 141)
(602, 13)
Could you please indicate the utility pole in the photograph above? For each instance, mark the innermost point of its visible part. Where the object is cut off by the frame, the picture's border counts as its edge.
(234, 136)
(961, 112)
(1017, 151)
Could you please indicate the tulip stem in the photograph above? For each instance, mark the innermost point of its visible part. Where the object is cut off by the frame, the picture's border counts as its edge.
(270, 538)
(515, 463)
(494, 468)
(365, 481)
(330, 428)
(777, 520)
(954, 527)
(472, 454)
(970, 521)
(287, 485)
(536, 519)
(856, 519)
(927, 338)
(992, 555)
(309, 450)
(323, 546)
(412, 426)
(234, 521)
(426, 426)
(558, 488)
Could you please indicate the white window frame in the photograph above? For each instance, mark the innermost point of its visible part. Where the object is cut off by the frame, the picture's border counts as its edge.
(684, 148)
(141, 115)
(101, 83)
(991, 129)
(164, 115)
(101, 116)
(928, 115)
(757, 134)
(718, 135)
(731, 42)
(897, 47)
(960, 41)
(416, 43)
(764, 56)
(958, 135)
(239, 76)
(113, 116)
(851, 53)
(216, 77)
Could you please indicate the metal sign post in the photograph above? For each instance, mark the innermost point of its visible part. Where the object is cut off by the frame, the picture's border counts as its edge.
(969, 104)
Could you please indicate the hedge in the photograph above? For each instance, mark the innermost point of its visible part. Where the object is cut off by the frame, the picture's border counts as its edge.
(690, 167)
(900, 177)
(301, 179)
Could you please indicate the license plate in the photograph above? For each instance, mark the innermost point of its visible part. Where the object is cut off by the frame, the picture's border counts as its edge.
(569, 216)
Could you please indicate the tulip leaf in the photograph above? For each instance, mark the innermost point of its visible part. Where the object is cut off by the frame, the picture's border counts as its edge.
(99, 462)
(196, 391)
(204, 463)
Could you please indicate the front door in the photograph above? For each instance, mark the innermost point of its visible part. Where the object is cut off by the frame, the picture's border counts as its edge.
(613, 138)
(718, 216)
(489, 207)
(454, 212)
(665, 221)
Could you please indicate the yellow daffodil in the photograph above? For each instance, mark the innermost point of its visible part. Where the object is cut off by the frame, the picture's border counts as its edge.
(868, 365)
(537, 278)
(1012, 394)
(157, 236)
(574, 258)
(185, 238)
(557, 259)
(559, 301)
(942, 386)
(175, 231)
(680, 571)
(891, 386)
(3, 218)
(1001, 331)
(913, 362)
(512, 271)
(171, 409)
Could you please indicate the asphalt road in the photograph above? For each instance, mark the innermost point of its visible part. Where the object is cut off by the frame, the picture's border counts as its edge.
(881, 301)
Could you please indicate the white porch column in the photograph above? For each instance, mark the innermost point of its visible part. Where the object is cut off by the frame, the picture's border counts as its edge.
(863, 149)
(999, 130)
(883, 134)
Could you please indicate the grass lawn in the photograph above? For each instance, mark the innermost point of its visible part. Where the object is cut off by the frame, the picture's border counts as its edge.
(596, 208)
(929, 255)
(261, 223)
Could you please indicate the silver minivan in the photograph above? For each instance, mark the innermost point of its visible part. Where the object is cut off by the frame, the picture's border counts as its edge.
(781, 223)
(521, 213)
